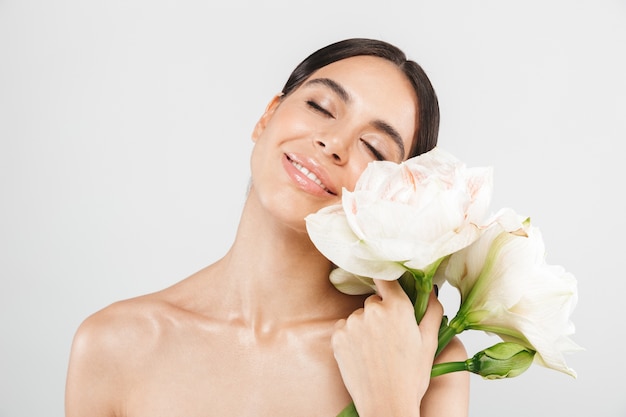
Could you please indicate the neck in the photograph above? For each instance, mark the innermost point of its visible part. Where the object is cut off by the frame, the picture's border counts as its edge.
(273, 274)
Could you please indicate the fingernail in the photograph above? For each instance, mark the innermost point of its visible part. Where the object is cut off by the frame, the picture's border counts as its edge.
(436, 289)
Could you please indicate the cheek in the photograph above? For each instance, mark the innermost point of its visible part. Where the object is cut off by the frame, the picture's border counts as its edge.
(355, 172)
(290, 121)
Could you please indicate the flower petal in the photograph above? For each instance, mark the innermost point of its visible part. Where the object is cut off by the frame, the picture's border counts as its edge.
(331, 234)
(352, 284)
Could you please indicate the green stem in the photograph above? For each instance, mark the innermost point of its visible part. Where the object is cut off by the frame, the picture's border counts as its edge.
(421, 302)
(424, 286)
(446, 333)
(349, 411)
(447, 367)
(498, 330)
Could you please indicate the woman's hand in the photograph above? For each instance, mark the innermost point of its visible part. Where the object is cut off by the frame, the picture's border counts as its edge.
(384, 357)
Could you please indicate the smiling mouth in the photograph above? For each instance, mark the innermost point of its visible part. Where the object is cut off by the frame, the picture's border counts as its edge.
(310, 176)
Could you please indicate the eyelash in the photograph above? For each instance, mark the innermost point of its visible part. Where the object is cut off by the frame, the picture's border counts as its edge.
(374, 151)
(319, 108)
(326, 113)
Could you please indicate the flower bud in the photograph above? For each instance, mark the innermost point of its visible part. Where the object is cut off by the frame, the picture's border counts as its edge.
(503, 360)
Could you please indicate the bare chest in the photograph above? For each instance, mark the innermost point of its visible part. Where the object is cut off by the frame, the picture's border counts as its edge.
(233, 373)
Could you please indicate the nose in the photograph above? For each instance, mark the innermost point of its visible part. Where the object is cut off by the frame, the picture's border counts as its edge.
(334, 148)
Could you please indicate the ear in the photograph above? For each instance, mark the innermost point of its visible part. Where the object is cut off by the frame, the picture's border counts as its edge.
(267, 115)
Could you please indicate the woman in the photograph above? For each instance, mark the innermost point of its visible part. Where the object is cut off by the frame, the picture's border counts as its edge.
(262, 331)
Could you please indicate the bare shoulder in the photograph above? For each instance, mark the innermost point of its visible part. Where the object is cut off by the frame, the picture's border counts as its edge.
(108, 350)
(454, 351)
(129, 329)
(119, 326)
(448, 394)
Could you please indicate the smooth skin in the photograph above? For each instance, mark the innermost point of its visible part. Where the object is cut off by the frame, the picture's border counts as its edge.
(262, 331)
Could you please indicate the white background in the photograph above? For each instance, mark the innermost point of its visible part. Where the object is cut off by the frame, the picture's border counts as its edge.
(124, 144)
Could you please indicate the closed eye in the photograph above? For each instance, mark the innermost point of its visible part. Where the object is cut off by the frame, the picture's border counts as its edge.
(319, 108)
(374, 151)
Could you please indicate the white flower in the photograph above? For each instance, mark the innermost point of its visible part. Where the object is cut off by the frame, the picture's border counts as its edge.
(508, 289)
(404, 216)
(352, 284)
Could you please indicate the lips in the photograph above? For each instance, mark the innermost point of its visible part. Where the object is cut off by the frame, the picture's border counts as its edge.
(309, 175)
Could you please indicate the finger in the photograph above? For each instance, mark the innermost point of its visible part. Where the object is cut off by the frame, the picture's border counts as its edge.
(389, 288)
(374, 298)
(340, 324)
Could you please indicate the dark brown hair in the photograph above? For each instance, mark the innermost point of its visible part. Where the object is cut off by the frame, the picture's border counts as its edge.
(428, 118)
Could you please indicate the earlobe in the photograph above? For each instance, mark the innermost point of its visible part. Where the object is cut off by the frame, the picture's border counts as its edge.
(267, 115)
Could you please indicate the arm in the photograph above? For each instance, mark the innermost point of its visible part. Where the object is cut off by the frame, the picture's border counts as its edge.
(91, 384)
(385, 358)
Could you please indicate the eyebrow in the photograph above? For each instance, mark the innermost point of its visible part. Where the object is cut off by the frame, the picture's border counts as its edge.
(381, 125)
(333, 85)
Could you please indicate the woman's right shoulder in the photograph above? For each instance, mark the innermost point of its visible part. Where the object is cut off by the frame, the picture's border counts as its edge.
(110, 347)
(123, 330)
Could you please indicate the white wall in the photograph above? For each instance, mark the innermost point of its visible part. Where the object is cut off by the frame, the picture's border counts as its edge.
(124, 143)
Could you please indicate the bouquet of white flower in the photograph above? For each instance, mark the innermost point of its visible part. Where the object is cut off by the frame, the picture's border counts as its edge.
(424, 222)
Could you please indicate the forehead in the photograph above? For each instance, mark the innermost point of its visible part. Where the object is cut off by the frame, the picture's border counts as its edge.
(378, 90)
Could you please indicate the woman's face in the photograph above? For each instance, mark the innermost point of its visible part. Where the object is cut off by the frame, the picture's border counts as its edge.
(317, 140)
